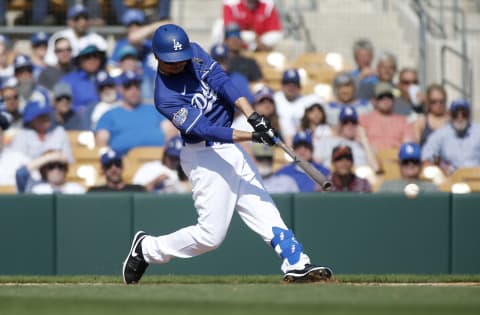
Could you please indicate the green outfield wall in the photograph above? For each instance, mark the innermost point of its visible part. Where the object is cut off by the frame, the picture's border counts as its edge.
(376, 234)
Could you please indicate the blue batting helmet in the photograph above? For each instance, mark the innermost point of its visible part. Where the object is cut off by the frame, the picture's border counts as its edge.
(171, 44)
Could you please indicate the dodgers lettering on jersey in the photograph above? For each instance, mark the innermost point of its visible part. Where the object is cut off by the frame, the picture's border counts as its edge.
(200, 97)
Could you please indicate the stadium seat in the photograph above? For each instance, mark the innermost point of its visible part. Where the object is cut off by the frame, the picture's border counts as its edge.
(316, 67)
(138, 156)
(8, 189)
(469, 176)
(388, 159)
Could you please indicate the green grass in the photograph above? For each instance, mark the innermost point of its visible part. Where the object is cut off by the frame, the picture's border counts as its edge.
(231, 295)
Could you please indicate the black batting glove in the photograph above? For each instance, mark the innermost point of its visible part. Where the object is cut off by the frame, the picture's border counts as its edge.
(264, 137)
(259, 122)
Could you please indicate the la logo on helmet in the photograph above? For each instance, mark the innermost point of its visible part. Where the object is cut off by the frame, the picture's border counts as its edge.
(177, 45)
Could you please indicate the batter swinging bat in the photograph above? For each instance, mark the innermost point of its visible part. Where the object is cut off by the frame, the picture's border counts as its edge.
(311, 171)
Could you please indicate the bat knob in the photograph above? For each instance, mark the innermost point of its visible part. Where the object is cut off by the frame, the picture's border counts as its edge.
(327, 186)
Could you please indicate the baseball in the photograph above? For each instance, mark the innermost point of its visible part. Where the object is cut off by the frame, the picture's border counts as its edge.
(411, 190)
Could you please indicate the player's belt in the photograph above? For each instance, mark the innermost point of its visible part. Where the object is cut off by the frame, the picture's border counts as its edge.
(207, 143)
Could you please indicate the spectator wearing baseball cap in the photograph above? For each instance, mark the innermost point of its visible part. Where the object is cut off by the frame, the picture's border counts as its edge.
(384, 128)
(107, 91)
(11, 105)
(219, 53)
(291, 104)
(237, 62)
(163, 176)
(132, 124)
(78, 33)
(38, 135)
(112, 168)
(457, 144)
(39, 42)
(409, 160)
(350, 134)
(344, 89)
(26, 87)
(343, 177)
(90, 60)
(303, 148)
(63, 114)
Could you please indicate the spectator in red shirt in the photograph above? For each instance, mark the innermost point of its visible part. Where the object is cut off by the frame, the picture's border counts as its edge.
(384, 128)
(258, 20)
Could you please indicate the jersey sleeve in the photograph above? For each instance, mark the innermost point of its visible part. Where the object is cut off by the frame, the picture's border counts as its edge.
(105, 123)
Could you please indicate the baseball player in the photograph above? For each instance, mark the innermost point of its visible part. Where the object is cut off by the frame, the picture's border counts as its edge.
(196, 95)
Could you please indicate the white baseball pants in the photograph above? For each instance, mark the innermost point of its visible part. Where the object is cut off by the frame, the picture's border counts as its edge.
(223, 179)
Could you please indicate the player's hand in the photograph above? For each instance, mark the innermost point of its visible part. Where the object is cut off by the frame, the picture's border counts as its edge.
(259, 122)
(264, 137)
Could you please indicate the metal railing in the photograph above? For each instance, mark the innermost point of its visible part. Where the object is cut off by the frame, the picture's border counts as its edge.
(437, 28)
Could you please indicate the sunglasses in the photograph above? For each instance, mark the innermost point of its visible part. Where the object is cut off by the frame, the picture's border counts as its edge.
(63, 97)
(458, 112)
(408, 82)
(387, 95)
(436, 101)
(344, 157)
(91, 55)
(117, 163)
(131, 84)
(410, 161)
(60, 50)
(61, 166)
(11, 98)
(349, 121)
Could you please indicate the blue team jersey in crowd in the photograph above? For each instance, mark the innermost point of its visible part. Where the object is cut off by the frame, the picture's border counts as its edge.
(84, 89)
(199, 101)
(132, 128)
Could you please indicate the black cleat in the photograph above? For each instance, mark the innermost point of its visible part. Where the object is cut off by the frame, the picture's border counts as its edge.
(134, 265)
(310, 273)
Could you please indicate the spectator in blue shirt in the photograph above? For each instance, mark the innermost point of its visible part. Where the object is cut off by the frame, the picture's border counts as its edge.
(303, 148)
(132, 124)
(457, 144)
(90, 61)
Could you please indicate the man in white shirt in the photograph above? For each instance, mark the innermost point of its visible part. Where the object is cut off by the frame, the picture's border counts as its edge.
(291, 104)
(77, 33)
(10, 160)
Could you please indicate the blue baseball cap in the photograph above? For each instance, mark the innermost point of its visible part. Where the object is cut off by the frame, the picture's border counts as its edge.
(291, 76)
(128, 77)
(264, 93)
(174, 146)
(410, 151)
(348, 113)
(127, 51)
(76, 11)
(133, 16)
(39, 38)
(219, 52)
(110, 156)
(232, 30)
(22, 61)
(459, 104)
(33, 109)
(104, 78)
(302, 138)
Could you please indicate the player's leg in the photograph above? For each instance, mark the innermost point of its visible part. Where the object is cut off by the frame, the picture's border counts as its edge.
(258, 211)
(213, 193)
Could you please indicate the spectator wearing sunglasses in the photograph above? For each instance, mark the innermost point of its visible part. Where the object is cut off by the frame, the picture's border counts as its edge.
(63, 114)
(89, 62)
(409, 157)
(343, 178)
(436, 115)
(457, 144)
(53, 167)
(411, 99)
(77, 33)
(52, 73)
(132, 124)
(384, 128)
(112, 168)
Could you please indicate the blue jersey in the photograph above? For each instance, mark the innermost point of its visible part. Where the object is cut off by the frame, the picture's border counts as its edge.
(199, 101)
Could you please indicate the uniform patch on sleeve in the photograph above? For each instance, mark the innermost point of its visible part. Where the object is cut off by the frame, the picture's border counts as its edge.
(180, 116)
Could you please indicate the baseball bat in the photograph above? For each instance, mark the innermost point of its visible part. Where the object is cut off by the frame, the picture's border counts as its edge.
(311, 171)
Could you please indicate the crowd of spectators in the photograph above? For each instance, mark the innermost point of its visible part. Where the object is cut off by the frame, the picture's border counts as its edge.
(71, 81)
